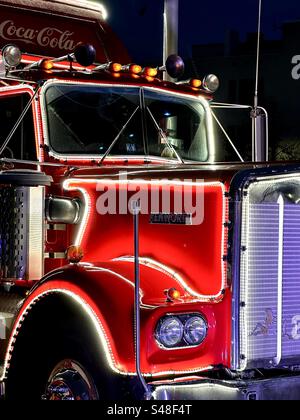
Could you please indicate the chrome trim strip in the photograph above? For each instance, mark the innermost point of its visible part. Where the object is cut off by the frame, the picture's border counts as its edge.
(235, 241)
(137, 300)
(278, 357)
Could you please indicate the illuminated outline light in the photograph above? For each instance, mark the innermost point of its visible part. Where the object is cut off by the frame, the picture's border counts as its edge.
(244, 276)
(165, 388)
(149, 262)
(277, 360)
(92, 268)
(86, 4)
(89, 311)
(211, 141)
(87, 212)
(104, 341)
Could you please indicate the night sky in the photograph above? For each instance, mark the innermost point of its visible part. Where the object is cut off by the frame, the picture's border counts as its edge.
(139, 22)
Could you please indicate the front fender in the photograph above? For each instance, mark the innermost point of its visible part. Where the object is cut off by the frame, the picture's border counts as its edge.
(106, 293)
(106, 297)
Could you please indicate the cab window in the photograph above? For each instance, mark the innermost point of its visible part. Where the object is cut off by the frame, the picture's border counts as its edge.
(22, 145)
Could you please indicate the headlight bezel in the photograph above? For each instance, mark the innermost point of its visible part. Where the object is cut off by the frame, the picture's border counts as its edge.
(184, 318)
(159, 327)
(205, 326)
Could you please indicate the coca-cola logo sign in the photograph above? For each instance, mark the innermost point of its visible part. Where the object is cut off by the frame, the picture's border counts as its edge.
(47, 37)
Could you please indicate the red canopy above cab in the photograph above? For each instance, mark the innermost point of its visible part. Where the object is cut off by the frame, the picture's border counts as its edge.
(54, 28)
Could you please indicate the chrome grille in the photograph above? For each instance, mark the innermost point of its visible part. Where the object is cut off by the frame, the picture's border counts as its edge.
(291, 282)
(269, 277)
(21, 232)
(13, 227)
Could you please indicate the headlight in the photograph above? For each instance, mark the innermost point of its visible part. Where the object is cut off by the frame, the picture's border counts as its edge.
(182, 330)
(195, 330)
(169, 332)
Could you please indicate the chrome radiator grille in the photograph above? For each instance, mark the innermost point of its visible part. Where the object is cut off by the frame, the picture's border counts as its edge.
(13, 227)
(269, 296)
(21, 232)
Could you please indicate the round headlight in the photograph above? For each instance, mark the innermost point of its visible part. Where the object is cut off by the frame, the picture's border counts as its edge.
(195, 330)
(211, 83)
(170, 332)
(12, 55)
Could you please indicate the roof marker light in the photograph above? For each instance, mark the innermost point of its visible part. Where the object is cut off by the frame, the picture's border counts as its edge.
(132, 68)
(46, 64)
(195, 83)
(111, 66)
(150, 79)
(150, 72)
(115, 67)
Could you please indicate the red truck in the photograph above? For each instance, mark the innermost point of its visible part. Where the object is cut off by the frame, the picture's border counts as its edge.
(133, 264)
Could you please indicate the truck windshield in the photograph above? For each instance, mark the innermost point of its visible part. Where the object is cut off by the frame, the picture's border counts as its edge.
(104, 120)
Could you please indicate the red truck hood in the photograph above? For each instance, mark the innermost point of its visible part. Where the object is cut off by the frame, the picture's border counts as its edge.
(191, 253)
(194, 254)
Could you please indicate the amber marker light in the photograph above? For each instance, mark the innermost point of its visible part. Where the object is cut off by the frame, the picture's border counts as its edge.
(133, 69)
(195, 83)
(150, 72)
(172, 294)
(115, 67)
(46, 64)
(150, 79)
(74, 254)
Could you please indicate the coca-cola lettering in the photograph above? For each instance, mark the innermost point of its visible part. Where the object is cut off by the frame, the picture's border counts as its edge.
(55, 39)
(46, 37)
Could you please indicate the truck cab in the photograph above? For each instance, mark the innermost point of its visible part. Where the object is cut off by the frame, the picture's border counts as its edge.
(133, 263)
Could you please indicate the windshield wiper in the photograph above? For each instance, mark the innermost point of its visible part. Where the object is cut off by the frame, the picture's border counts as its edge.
(165, 138)
(118, 136)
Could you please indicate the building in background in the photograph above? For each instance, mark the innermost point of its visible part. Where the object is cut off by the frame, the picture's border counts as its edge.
(234, 62)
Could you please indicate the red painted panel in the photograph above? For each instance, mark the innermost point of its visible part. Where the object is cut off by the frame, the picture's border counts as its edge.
(195, 252)
(54, 29)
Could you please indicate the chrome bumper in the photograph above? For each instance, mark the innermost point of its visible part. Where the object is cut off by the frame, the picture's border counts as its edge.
(279, 388)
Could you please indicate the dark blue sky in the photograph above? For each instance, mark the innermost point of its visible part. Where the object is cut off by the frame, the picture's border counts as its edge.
(139, 22)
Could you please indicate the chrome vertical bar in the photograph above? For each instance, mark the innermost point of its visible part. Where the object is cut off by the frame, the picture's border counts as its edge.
(278, 357)
(137, 315)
